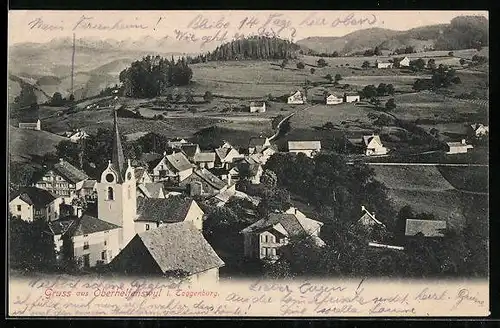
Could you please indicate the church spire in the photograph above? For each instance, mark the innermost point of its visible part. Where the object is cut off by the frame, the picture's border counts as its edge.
(118, 159)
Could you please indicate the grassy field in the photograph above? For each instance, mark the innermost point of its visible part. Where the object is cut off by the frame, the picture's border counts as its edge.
(423, 178)
(24, 144)
(472, 178)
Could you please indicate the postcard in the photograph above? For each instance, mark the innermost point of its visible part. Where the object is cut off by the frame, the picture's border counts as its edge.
(248, 163)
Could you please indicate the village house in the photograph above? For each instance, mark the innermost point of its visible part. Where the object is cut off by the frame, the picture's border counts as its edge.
(142, 175)
(225, 155)
(153, 213)
(383, 64)
(190, 150)
(257, 145)
(204, 160)
(373, 145)
(425, 228)
(176, 142)
(309, 148)
(479, 130)
(151, 190)
(296, 98)
(32, 203)
(251, 169)
(90, 242)
(228, 175)
(173, 168)
(89, 189)
(263, 238)
(57, 228)
(63, 179)
(203, 183)
(257, 107)
(458, 147)
(405, 62)
(78, 135)
(351, 97)
(31, 124)
(332, 99)
(173, 250)
(370, 225)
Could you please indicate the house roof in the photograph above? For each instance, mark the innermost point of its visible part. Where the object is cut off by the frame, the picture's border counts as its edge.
(69, 172)
(457, 144)
(179, 161)
(180, 247)
(257, 142)
(189, 149)
(87, 225)
(428, 228)
(29, 120)
(368, 139)
(334, 95)
(257, 104)
(150, 158)
(89, 184)
(367, 214)
(152, 189)
(351, 94)
(219, 171)
(168, 210)
(295, 92)
(35, 196)
(139, 172)
(305, 145)
(222, 152)
(210, 178)
(204, 157)
(289, 222)
(60, 226)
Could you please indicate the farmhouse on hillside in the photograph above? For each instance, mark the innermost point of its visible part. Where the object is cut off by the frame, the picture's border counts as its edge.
(332, 99)
(425, 228)
(78, 135)
(30, 124)
(383, 64)
(257, 107)
(204, 160)
(176, 143)
(351, 97)
(373, 145)
(479, 130)
(263, 238)
(176, 250)
(32, 203)
(405, 62)
(153, 213)
(63, 179)
(309, 148)
(458, 147)
(296, 98)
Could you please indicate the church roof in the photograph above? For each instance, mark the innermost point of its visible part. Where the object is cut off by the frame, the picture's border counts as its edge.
(117, 157)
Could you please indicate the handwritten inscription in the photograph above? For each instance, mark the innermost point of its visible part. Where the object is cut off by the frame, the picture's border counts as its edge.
(63, 296)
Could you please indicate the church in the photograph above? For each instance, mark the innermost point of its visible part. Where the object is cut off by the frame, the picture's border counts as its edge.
(90, 241)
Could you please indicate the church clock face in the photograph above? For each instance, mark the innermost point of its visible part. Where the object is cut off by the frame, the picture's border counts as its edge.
(129, 176)
(110, 177)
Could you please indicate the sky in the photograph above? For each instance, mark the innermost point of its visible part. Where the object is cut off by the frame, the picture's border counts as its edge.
(42, 26)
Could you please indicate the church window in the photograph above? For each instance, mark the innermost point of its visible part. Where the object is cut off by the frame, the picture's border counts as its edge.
(111, 195)
(129, 191)
(129, 175)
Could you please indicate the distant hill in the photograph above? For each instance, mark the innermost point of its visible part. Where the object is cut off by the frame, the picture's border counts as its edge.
(26, 144)
(463, 32)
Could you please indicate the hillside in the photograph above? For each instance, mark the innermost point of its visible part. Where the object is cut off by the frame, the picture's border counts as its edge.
(463, 32)
(26, 144)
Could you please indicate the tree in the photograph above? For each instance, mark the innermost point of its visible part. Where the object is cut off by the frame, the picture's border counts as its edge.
(377, 51)
(431, 64)
(338, 77)
(390, 89)
(382, 89)
(375, 102)
(269, 179)
(450, 53)
(322, 63)
(274, 199)
(462, 61)
(57, 99)
(369, 91)
(390, 105)
(329, 77)
(417, 65)
(70, 151)
(366, 64)
(208, 96)
(300, 65)
(27, 97)
(284, 63)
(312, 70)
(189, 96)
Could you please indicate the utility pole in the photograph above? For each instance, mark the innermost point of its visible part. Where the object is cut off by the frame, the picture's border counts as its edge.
(73, 66)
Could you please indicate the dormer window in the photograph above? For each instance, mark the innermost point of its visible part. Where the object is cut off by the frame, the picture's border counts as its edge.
(110, 177)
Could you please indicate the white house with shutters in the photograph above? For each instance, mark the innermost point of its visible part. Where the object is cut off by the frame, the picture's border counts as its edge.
(296, 98)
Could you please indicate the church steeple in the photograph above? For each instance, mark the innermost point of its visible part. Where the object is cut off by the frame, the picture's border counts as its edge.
(118, 159)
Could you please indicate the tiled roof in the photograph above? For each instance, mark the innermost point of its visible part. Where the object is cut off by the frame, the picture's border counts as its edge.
(35, 196)
(219, 171)
(189, 149)
(368, 139)
(257, 104)
(204, 157)
(180, 247)
(167, 210)
(288, 221)
(428, 228)
(69, 172)
(179, 161)
(153, 188)
(305, 145)
(60, 226)
(138, 172)
(88, 224)
(222, 152)
(210, 178)
(89, 184)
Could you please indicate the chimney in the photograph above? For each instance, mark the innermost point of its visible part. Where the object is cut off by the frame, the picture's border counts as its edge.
(165, 153)
(363, 208)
